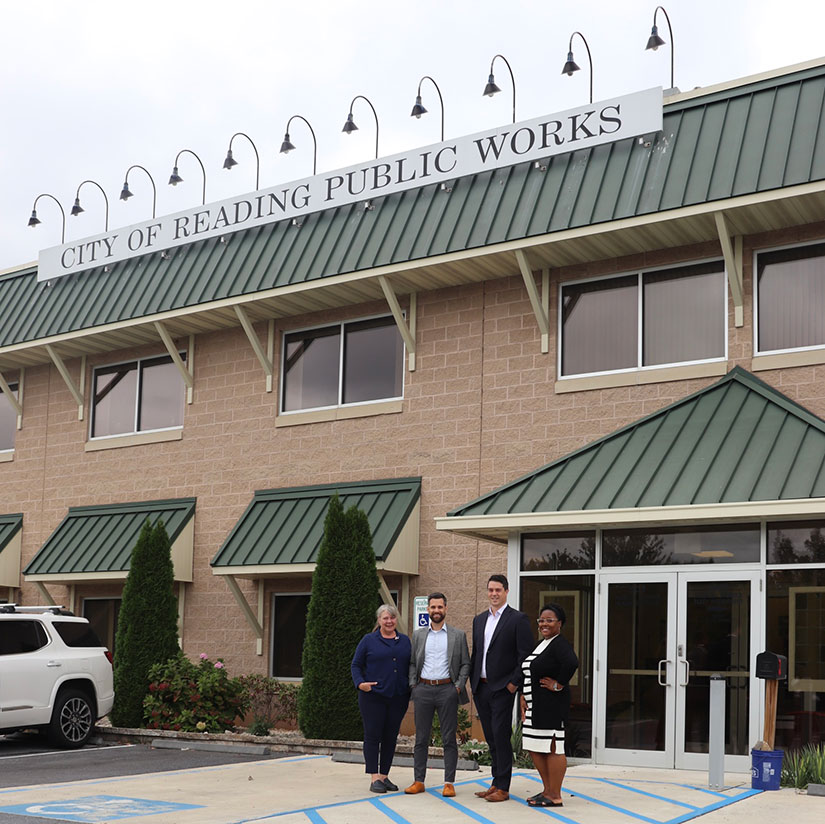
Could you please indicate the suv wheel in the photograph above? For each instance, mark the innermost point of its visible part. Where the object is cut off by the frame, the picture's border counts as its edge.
(72, 719)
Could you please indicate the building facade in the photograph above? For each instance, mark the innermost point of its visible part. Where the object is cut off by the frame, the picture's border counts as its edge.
(602, 373)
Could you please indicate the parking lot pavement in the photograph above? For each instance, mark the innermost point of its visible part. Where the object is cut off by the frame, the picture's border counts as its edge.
(315, 790)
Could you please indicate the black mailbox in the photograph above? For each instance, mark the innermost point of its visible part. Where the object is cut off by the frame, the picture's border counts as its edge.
(771, 665)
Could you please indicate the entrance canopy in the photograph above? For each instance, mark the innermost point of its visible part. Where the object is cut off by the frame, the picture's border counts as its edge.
(738, 450)
(95, 543)
(10, 539)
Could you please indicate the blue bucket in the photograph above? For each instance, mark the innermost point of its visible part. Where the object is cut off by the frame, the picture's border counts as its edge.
(766, 769)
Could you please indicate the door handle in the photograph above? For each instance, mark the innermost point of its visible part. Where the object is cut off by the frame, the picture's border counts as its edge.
(54, 664)
(687, 672)
(662, 683)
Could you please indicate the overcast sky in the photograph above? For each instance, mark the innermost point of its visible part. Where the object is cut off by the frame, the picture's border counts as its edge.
(88, 88)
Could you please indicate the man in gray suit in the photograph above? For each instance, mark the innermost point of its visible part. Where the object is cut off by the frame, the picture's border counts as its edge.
(439, 667)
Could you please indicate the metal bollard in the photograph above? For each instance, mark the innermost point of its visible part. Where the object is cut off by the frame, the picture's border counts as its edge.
(716, 733)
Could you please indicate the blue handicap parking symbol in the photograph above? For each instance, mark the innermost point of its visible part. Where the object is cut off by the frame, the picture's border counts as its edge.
(423, 620)
(92, 808)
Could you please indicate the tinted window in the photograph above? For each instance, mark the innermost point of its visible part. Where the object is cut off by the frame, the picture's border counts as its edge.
(21, 636)
(289, 625)
(77, 634)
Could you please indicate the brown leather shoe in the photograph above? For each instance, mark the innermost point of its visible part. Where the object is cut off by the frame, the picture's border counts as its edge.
(497, 795)
(485, 793)
(448, 791)
(415, 788)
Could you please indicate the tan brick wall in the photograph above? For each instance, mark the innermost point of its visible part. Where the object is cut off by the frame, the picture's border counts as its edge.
(479, 410)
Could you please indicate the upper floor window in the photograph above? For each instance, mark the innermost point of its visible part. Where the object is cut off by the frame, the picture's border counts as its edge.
(347, 363)
(790, 298)
(8, 420)
(647, 319)
(137, 396)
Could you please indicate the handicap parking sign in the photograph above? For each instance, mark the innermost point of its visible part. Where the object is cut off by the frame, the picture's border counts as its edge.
(422, 617)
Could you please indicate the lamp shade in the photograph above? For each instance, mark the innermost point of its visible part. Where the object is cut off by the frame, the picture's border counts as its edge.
(350, 126)
(33, 221)
(418, 109)
(287, 146)
(654, 41)
(175, 178)
(125, 194)
(490, 89)
(77, 208)
(230, 161)
(570, 66)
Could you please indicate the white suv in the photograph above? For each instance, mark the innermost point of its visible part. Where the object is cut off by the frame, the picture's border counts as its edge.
(54, 674)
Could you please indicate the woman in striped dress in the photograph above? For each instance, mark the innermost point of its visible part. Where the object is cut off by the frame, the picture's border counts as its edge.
(545, 704)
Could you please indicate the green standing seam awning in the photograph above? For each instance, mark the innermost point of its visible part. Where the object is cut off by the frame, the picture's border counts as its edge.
(96, 542)
(737, 443)
(281, 529)
(10, 527)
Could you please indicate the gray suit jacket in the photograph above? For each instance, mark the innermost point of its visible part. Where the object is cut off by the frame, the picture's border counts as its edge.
(458, 658)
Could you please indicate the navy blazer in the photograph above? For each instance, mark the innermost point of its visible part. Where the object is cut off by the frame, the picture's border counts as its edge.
(511, 643)
(385, 660)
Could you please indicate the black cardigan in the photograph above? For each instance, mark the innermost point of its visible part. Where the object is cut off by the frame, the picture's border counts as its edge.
(551, 709)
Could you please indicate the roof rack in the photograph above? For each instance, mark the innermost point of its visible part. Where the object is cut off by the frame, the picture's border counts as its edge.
(51, 608)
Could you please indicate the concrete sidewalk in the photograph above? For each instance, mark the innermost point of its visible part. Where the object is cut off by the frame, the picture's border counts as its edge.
(311, 789)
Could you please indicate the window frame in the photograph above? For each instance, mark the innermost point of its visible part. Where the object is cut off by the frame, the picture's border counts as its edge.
(273, 635)
(640, 273)
(15, 388)
(341, 325)
(138, 396)
(757, 352)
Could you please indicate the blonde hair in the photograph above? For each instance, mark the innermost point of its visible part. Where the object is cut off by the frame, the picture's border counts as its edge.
(392, 609)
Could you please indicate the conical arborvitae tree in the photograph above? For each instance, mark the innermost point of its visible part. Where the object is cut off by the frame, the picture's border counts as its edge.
(147, 629)
(341, 610)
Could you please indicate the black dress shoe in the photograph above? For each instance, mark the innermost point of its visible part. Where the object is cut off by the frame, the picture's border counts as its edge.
(393, 788)
(378, 786)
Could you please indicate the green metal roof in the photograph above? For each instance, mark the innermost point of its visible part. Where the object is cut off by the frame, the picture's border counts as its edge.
(286, 526)
(10, 525)
(101, 538)
(751, 138)
(737, 440)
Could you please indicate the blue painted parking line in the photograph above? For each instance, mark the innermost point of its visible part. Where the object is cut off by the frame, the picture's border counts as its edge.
(97, 808)
(381, 805)
(645, 793)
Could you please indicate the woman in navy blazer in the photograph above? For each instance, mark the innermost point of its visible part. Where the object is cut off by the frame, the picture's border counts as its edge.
(380, 669)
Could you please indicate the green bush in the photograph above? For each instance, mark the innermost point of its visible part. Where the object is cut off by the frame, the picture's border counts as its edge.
(147, 626)
(192, 697)
(341, 610)
(269, 701)
(804, 766)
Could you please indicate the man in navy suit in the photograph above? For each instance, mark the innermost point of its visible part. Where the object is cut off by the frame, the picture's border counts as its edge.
(502, 639)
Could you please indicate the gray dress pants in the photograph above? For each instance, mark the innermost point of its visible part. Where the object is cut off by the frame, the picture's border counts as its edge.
(429, 699)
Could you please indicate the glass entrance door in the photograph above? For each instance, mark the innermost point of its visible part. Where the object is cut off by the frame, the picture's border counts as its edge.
(662, 636)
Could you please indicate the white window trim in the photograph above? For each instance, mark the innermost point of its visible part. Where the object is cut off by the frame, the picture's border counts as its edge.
(133, 432)
(341, 325)
(757, 353)
(639, 273)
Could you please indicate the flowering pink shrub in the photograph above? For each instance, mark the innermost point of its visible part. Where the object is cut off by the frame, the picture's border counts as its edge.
(192, 697)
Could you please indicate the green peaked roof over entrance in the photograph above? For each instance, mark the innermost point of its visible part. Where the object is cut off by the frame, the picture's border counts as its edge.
(738, 440)
(10, 525)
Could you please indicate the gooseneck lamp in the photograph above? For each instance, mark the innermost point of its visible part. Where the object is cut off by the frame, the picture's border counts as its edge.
(34, 220)
(349, 125)
(491, 88)
(126, 193)
(654, 41)
(77, 209)
(571, 66)
(230, 161)
(175, 177)
(287, 146)
(418, 109)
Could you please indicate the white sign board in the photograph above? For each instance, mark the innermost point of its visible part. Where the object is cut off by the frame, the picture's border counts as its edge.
(604, 122)
(422, 617)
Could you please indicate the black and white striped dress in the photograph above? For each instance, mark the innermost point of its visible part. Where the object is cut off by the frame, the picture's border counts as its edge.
(534, 737)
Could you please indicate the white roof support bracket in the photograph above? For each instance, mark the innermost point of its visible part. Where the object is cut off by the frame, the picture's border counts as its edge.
(263, 359)
(76, 393)
(540, 303)
(386, 598)
(407, 332)
(253, 620)
(16, 402)
(188, 379)
(732, 252)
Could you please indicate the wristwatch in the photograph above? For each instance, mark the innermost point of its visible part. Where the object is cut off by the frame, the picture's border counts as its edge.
(558, 687)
